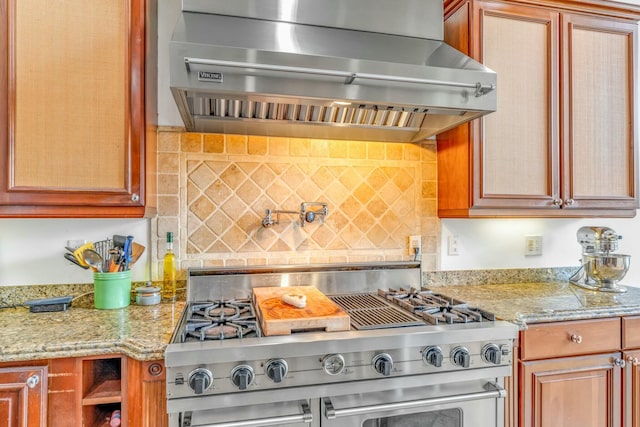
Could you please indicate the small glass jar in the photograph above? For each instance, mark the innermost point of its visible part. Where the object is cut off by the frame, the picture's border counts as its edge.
(147, 295)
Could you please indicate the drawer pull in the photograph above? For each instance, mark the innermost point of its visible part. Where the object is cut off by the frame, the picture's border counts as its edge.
(576, 338)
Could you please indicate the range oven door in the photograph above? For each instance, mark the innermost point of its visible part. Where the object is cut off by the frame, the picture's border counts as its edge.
(464, 404)
(290, 414)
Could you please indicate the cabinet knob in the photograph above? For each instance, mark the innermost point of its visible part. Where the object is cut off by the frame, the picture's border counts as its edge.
(135, 197)
(576, 338)
(557, 202)
(568, 202)
(633, 360)
(33, 381)
(619, 363)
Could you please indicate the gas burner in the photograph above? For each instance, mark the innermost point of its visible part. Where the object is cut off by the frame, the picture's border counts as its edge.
(220, 331)
(220, 320)
(455, 314)
(222, 310)
(435, 308)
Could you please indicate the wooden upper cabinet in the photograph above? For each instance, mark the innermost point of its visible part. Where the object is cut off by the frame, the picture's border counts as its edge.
(72, 122)
(563, 138)
(600, 112)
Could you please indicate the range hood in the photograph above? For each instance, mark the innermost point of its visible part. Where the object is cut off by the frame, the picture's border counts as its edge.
(341, 69)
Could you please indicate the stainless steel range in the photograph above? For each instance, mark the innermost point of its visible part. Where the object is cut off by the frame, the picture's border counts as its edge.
(411, 358)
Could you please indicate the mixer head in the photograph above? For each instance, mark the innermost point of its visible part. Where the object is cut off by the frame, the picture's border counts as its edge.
(598, 239)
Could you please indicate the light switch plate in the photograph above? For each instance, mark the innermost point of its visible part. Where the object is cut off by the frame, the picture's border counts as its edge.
(533, 245)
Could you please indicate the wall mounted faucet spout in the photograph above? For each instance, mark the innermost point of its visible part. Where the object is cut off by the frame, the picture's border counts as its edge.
(308, 213)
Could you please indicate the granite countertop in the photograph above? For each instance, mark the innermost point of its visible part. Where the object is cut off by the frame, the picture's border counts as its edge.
(140, 332)
(525, 303)
(143, 332)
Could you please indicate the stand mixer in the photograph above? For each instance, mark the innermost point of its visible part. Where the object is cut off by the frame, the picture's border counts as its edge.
(601, 269)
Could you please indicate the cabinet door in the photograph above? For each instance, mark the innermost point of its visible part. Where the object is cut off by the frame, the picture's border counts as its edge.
(631, 389)
(72, 122)
(517, 151)
(23, 396)
(146, 394)
(572, 391)
(601, 114)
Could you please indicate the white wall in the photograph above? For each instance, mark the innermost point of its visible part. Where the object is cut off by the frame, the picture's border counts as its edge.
(31, 250)
(500, 243)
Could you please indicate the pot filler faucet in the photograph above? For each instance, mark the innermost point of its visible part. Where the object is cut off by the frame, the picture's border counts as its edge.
(307, 213)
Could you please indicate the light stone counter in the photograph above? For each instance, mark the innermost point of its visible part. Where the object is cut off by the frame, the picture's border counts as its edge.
(524, 303)
(140, 332)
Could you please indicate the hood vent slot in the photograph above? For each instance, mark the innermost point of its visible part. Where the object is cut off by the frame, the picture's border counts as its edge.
(358, 115)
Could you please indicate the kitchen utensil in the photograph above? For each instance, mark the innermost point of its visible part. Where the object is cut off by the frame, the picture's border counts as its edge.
(119, 241)
(78, 253)
(280, 318)
(93, 259)
(49, 304)
(126, 253)
(69, 257)
(136, 251)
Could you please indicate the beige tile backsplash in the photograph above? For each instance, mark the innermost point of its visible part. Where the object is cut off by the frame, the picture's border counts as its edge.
(213, 191)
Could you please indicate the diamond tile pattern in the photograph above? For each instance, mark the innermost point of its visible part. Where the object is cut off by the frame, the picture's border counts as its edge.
(213, 190)
(370, 205)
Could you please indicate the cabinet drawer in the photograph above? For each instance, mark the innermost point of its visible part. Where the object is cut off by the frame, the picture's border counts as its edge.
(570, 338)
(631, 332)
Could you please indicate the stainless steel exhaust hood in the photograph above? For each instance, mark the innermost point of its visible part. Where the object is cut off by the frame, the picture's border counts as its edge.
(340, 69)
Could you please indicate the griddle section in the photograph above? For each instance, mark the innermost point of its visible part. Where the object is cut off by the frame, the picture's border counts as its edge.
(368, 311)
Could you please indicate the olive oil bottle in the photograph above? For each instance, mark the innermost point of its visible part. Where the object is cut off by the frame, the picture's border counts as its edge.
(169, 270)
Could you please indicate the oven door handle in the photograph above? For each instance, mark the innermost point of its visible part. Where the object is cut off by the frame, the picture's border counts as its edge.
(305, 417)
(493, 391)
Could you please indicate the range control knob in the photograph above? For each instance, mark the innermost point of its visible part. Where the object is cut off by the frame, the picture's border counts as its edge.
(200, 380)
(242, 376)
(460, 356)
(433, 356)
(491, 353)
(382, 363)
(276, 369)
(333, 364)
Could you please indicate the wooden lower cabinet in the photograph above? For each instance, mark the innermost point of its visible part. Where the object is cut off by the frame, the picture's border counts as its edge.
(23, 397)
(571, 391)
(582, 373)
(83, 391)
(146, 394)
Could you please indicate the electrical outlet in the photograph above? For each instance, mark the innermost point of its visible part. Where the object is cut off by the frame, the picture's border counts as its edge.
(415, 243)
(453, 246)
(533, 245)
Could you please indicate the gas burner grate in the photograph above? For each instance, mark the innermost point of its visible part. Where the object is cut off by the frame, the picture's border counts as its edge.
(368, 311)
(220, 320)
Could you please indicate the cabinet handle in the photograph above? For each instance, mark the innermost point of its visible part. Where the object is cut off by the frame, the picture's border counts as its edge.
(568, 202)
(576, 338)
(557, 202)
(619, 363)
(33, 381)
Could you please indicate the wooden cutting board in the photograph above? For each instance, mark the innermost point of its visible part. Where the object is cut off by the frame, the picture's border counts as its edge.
(279, 318)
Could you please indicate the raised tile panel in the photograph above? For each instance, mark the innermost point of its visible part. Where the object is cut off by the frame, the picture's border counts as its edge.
(217, 187)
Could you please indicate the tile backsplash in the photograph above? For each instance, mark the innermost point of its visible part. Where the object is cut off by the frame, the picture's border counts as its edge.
(213, 191)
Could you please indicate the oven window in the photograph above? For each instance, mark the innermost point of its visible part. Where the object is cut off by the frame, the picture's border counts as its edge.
(442, 418)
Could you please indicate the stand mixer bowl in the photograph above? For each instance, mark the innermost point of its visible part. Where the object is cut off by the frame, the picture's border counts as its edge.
(605, 269)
